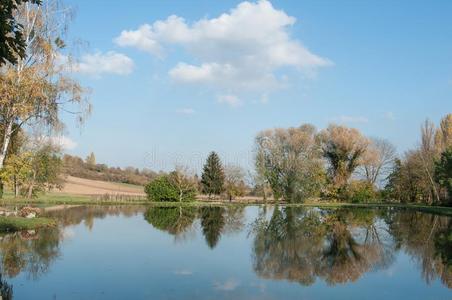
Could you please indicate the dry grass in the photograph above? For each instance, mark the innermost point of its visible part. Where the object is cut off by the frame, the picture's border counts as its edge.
(81, 186)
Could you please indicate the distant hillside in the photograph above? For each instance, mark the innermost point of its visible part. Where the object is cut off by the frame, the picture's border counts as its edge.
(82, 186)
(77, 167)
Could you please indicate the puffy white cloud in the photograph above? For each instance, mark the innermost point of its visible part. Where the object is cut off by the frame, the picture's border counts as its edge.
(237, 51)
(230, 100)
(99, 63)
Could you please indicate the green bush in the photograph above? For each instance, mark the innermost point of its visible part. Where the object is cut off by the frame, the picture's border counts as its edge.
(161, 189)
(359, 191)
(170, 188)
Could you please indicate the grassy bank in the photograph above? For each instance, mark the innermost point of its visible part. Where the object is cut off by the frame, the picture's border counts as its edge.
(61, 199)
(10, 224)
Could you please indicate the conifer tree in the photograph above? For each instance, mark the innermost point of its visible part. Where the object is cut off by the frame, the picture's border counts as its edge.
(212, 179)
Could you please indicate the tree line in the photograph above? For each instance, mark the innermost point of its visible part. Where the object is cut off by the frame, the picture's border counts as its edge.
(183, 185)
(337, 163)
(341, 163)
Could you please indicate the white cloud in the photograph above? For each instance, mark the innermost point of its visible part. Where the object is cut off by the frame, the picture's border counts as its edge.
(230, 100)
(351, 119)
(99, 63)
(186, 111)
(60, 141)
(237, 51)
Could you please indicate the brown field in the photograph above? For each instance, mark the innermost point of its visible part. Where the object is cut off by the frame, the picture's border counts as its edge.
(81, 186)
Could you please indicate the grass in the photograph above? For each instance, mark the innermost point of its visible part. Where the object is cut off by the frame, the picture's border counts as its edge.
(10, 224)
(58, 199)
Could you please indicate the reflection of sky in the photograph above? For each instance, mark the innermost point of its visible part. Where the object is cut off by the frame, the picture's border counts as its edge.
(125, 257)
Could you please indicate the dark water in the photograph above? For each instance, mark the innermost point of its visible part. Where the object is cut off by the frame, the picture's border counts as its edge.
(231, 253)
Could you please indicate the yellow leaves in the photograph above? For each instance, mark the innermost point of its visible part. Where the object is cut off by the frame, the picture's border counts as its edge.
(443, 135)
(18, 168)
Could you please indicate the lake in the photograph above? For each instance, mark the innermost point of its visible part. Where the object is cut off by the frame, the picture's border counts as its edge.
(253, 252)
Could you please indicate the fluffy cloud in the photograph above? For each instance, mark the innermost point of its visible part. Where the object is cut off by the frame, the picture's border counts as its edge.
(238, 51)
(99, 64)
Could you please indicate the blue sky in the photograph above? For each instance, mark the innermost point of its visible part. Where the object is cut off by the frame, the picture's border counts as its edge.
(211, 77)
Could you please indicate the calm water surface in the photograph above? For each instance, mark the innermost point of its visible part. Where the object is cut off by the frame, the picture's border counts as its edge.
(231, 253)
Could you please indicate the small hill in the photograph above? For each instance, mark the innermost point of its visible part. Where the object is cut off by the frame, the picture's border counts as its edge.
(82, 186)
(76, 167)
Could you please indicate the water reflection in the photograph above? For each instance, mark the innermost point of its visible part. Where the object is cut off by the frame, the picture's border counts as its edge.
(340, 246)
(29, 251)
(296, 244)
(174, 220)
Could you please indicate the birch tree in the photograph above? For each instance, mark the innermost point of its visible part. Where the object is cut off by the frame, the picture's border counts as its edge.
(38, 88)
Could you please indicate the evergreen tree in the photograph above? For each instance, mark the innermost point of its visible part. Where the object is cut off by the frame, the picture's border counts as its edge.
(212, 179)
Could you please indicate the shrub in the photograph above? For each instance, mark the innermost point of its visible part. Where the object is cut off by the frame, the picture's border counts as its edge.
(359, 191)
(161, 189)
(172, 187)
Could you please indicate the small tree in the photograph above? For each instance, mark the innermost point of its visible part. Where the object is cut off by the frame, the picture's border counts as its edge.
(234, 182)
(212, 178)
(184, 183)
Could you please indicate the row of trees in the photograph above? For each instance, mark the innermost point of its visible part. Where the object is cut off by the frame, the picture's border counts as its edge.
(341, 163)
(33, 165)
(298, 163)
(182, 185)
(424, 174)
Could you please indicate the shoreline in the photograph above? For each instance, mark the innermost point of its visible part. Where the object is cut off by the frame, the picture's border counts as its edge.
(48, 200)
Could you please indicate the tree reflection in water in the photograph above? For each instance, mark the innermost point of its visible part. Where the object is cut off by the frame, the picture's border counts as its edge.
(176, 220)
(33, 252)
(29, 251)
(214, 221)
(289, 243)
(341, 245)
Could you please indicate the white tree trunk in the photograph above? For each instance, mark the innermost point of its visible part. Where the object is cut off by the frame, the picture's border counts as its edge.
(5, 144)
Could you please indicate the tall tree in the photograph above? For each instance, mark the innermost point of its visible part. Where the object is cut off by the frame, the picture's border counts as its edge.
(12, 42)
(443, 172)
(212, 178)
(443, 135)
(290, 161)
(343, 148)
(234, 181)
(378, 160)
(427, 154)
(36, 89)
